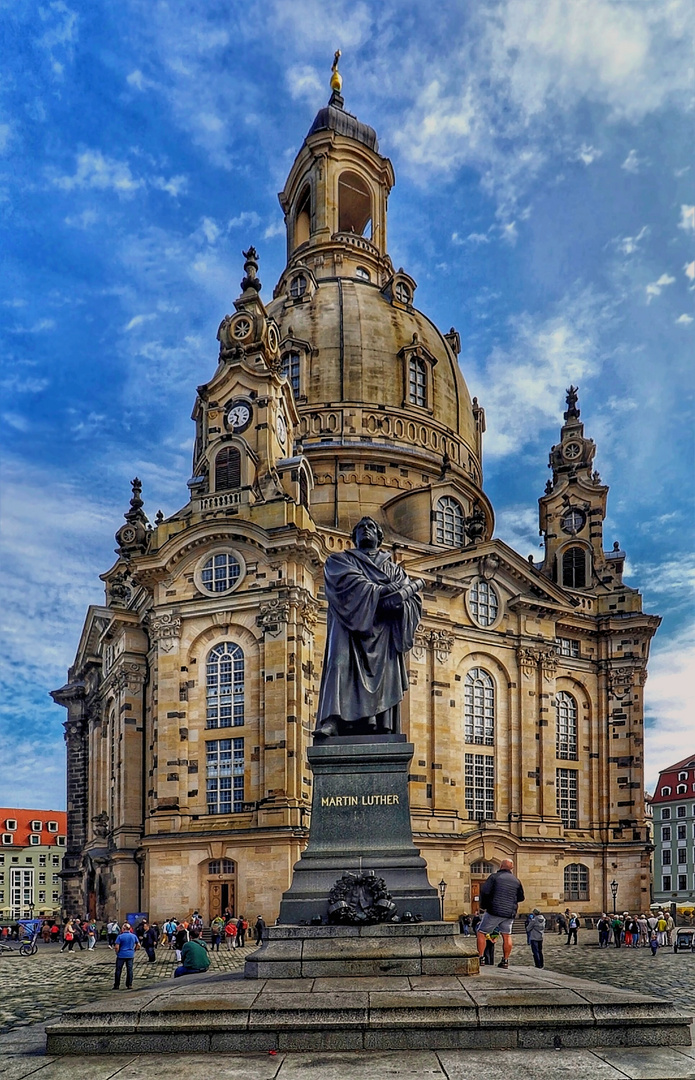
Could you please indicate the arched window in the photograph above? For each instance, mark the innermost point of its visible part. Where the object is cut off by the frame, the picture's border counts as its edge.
(228, 469)
(681, 789)
(576, 882)
(303, 489)
(479, 708)
(574, 568)
(291, 370)
(402, 293)
(449, 522)
(417, 381)
(354, 205)
(298, 286)
(302, 224)
(566, 726)
(225, 686)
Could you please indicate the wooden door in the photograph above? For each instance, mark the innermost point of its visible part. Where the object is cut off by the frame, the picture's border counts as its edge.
(220, 897)
(476, 886)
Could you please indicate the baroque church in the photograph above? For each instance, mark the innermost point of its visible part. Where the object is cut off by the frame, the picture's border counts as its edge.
(193, 694)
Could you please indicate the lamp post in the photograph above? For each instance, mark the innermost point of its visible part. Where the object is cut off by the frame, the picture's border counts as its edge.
(614, 891)
(442, 893)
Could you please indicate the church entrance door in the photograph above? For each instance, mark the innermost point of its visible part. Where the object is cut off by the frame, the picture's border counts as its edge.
(476, 886)
(221, 897)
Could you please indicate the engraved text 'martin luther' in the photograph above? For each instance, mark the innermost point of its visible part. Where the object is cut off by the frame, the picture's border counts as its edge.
(360, 800)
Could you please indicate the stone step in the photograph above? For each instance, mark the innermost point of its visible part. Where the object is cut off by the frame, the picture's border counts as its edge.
(517, 1008)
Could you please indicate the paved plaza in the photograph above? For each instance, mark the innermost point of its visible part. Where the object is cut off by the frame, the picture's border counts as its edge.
(38, 988)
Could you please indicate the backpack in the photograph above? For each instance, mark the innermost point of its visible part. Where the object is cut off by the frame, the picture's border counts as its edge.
(245, 925)
(230, 929)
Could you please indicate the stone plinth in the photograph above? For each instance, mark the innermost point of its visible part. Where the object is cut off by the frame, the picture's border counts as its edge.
(360, 820)
(309, 952)
(519, 1008)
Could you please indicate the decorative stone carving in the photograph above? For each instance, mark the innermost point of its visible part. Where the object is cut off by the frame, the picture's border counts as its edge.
(489, 567)
(129, 678)
(100, 824)
(272, 616)
(528, 660)
(165, 630)
(420, 644)
(621, 680)
(548, 660)
(442, 643)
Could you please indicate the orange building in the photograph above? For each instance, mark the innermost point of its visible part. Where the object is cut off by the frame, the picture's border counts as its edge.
(32, 844)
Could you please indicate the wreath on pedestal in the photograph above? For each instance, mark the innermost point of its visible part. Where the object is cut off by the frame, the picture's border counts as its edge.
(360, 899)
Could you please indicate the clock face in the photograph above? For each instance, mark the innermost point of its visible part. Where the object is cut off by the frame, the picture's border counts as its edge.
(572, 450)
(281, 428)
(573, 521)
(239, 416)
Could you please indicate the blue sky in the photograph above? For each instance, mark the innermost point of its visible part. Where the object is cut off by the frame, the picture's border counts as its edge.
(545, 204)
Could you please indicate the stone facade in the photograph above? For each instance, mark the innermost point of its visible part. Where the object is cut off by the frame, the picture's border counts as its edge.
(193, 694)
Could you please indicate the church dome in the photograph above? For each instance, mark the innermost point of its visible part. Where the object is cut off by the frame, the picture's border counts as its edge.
(334, 118)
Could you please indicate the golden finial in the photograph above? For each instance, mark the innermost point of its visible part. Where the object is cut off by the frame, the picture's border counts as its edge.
(336, 77)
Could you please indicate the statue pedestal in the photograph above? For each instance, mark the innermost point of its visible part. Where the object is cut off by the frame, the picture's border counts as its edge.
(360, 821)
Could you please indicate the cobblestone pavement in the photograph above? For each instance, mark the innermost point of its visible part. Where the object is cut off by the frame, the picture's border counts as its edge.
(37, 987)
(670, 975)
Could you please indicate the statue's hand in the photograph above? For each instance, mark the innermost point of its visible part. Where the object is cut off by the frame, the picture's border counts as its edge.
(389, 605)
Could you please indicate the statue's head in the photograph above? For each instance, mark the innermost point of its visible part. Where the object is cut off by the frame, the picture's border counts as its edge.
(368, 534)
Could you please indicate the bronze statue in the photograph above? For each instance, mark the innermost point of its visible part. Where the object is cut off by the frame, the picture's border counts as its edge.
(373, 613)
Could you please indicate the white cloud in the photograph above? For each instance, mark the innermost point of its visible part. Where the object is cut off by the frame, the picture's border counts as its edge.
(668, 696)
(633, 163)
(687, 220)
(689, 270)
(518, 526)
(656, 287)
(275, 228)
(174, 186)
(587, 154)
(523, 384)
(247, 219)
(684, 320)
(630, 244)
(61, 34)
(36, 328)
(304, 83)
(16, 421)
(138, 320)
(83, 220)
(94, 170)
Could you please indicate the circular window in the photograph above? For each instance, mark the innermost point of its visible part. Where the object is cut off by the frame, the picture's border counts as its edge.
(360, 272)
(572, 450)
(483, 603)
(298, 286)
(241, 328)
(219, 572)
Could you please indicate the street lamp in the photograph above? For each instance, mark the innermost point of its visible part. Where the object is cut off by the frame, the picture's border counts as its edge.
(442, 893)
(614, 891)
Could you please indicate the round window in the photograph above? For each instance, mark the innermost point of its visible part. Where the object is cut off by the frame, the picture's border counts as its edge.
(483, 603)
(218, 573)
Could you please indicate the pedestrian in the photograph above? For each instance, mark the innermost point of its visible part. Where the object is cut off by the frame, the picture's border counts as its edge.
(78, 935)
(150, 941)
(661, 927)
(91, 935)
(241, 928)
(654, 942)
(527, 921)
(112, 932)
(500, 896)
(670, 927)
(634, 930)
(465, 924)
(196, 921)
(217, 928)
(643, 931)
(476, 921)
(55, 933)
(260, 929)
(561, 924)
(572, 928)
(536, 932)
(230, 935)
(604, 931)
(68, 937)
(180, 939)
(125, 946)
(194, 956)
(46, 932)
(627, 930)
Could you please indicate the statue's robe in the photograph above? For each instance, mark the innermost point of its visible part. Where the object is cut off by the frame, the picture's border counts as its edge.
(364, 670)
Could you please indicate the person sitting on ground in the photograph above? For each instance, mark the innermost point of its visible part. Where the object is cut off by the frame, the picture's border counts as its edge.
(194, 956)
(500, 897)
